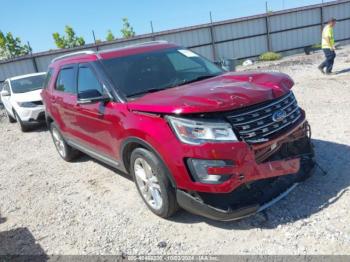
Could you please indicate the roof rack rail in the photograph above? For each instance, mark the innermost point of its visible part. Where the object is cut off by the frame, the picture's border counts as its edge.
(133, 45)
(86, 52)
(151, 42)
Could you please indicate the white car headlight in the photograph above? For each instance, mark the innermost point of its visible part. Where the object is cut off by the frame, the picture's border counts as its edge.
(196, 132)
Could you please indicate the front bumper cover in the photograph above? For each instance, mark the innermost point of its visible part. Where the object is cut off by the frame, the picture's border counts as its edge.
(195, 206)
(31, 115)
(255, 196)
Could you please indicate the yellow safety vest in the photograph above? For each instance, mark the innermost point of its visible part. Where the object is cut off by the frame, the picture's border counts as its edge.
(328, 32)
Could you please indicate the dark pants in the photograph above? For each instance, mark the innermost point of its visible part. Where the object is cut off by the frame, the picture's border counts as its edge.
(329, 62)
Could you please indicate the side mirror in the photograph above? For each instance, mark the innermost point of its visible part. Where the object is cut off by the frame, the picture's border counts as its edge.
(227, 64)
(90, 97)
(5, 93)
(92, 100)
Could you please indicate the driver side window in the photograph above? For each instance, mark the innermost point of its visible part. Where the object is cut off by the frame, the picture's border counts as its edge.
(88, 84)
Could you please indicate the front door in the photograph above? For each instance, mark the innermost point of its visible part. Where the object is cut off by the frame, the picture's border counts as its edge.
(94, 125)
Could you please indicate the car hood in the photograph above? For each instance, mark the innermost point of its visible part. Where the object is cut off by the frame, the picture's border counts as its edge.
(222, 93)
(28, 96)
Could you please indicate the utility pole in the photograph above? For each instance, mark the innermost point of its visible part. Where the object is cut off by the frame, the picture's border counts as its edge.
(152, 30)
(267, 21)
(35, 65)
(30, 48)
(93, 35)
(212, 36)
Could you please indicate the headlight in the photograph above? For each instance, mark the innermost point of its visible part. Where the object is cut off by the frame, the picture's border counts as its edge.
(26, 104)
(196, 132)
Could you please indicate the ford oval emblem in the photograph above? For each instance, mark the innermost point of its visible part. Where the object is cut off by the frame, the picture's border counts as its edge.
(279, 116)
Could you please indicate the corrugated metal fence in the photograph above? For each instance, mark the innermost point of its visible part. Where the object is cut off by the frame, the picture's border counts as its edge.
(283, 31)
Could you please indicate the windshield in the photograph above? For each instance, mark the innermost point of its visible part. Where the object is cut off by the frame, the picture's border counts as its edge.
(27, 84)
(154, 71)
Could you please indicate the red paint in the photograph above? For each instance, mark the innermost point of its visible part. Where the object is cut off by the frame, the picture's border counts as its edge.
(225, 92)
(105, 132)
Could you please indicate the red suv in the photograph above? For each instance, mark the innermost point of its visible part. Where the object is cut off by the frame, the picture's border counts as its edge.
(219, 144)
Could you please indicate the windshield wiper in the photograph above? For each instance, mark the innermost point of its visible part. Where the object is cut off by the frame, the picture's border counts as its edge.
(199, 78)
(152, 90)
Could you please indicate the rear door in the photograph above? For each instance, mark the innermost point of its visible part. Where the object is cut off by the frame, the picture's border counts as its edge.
(63, 99)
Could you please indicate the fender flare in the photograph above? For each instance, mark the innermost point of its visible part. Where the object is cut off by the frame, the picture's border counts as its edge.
(132, 140)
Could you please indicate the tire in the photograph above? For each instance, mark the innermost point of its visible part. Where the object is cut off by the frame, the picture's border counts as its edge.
(140, 158)
(10, 118)
(64, 150)
(23, 126)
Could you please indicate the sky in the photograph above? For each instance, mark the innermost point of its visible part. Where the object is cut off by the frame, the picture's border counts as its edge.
(36, 20)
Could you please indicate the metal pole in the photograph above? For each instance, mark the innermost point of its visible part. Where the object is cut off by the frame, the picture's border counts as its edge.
(152, 30)
(267, 21)
(212, 37)
(321, 15)
(93, 35)
(35, 65)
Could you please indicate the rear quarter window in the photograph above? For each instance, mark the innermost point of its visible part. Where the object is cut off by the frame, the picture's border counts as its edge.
(48, 78)
(66, 80)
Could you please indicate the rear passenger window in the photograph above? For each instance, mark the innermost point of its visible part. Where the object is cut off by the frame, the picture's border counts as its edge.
(88, 84)
(66, 80)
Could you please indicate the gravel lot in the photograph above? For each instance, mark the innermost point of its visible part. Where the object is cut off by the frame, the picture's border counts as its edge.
(53, 207)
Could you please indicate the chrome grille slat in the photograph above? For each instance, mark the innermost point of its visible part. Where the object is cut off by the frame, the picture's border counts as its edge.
(281, 127)
(270, 124)
(263, 125)
(294, 102)
(273, 103)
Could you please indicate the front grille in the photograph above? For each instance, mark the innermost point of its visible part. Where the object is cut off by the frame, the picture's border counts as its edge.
(257, 124)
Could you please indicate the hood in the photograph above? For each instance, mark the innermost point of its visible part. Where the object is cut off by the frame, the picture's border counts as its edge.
(28, 96)
(222, 93)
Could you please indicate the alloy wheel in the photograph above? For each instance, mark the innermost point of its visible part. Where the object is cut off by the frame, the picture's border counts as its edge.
(148, 183)
(59, 143)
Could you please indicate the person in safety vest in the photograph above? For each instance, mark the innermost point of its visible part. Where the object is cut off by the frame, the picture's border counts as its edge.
(328, 47)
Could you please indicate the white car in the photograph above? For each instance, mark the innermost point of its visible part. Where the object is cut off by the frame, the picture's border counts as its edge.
(21, 98)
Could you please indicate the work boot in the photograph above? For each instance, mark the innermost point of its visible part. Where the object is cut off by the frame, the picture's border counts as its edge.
(321, 69)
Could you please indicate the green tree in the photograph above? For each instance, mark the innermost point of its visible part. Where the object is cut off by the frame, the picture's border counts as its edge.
(127, 30)
(69, 39)
(11, 46)
(110, 36)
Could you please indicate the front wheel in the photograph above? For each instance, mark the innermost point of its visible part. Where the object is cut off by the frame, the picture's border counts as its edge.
(10, 118)
(22, 125)
(152, 182)
(64, 150)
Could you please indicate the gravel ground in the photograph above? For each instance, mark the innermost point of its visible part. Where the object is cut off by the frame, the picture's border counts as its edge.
(53, 207)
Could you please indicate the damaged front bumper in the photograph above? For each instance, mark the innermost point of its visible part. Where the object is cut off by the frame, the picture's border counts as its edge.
(198, 207)
(295, 153)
